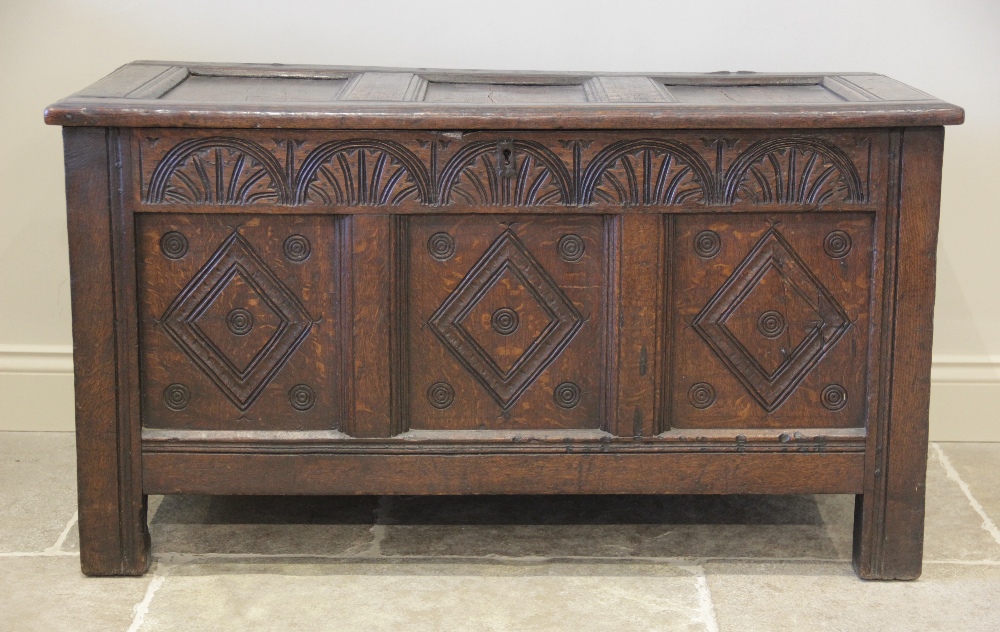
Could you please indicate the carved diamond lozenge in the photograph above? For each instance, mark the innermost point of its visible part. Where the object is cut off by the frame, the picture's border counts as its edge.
(506, 258)
(772, 265)
(241, 382)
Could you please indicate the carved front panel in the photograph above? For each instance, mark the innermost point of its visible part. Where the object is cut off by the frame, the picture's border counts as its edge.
(409, 172)
(506, 322)
(769, 320)
(239, 322)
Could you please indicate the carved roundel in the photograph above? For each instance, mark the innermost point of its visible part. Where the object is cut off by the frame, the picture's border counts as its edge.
(239, 321)
(301, 397)
(707, 244)
(441, 395)
(771, 324)
(505, 321)
(297, 248)
(441, 246)
(701, 395)
(833, 397)
(837, 244)
(571, 248)
(176, 396)
(567, 395)
(173, 245)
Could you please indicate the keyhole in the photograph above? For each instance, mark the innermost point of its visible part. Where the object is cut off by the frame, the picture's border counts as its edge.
(505, 158)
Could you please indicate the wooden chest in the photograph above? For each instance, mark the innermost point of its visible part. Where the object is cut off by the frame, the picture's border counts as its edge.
(329, 280)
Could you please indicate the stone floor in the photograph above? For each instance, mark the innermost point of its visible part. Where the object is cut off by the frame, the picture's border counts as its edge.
(496, 563)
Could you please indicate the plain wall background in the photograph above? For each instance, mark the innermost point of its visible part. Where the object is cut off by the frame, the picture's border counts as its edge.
(51, 48)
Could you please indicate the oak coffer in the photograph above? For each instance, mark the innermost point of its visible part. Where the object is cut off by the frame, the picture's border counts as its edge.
(331, 280)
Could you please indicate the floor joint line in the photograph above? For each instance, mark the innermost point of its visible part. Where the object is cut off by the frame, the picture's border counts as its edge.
(141, 609)
(57, 547)
(988, 525)
(706, 605)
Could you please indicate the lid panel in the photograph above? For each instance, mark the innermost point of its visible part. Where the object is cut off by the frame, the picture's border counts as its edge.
(443, 92)
(760, 94)
(212, 89)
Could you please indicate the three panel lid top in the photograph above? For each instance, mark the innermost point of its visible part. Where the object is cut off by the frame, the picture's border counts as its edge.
(178, 94)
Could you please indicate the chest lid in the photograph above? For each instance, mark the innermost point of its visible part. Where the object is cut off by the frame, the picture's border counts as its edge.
(179, 94)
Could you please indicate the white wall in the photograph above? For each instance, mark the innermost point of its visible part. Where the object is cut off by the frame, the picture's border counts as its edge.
(50, 48)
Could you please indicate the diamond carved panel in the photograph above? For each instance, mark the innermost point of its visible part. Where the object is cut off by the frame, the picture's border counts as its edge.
(507, 269)
(238, 321)
(239, 329)
(808, 325)
(761, 327)
(502, 315)
(236, 268)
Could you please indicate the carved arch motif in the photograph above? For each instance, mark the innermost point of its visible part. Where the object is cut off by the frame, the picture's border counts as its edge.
(528, 174)
(217, 170)
(793, 170)
(362, 173)
(371, 172)
(647, 172)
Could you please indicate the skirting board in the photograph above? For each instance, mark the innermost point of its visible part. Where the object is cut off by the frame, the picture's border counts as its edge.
(36, 392)
(36, 387)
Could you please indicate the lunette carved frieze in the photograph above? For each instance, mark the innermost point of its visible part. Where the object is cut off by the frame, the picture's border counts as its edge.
(441, 170)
